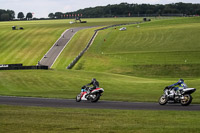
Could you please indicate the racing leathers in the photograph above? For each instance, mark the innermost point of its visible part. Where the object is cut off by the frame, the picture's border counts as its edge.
(95, 84)
(180, 85)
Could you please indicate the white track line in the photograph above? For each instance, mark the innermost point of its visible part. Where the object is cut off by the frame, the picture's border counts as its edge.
(54, 44)
(62, 50)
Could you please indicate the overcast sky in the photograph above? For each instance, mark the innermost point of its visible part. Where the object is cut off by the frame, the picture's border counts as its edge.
(41, 8)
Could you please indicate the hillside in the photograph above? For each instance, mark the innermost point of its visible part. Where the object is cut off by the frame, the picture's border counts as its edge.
(156, 49)
(67, 84)
(124, 63)
(28, 46)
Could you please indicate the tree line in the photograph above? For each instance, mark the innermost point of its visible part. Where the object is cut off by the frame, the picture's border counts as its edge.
(22, 17)
(125, 10)
(9, 15)
(6, 15)
(116, 10)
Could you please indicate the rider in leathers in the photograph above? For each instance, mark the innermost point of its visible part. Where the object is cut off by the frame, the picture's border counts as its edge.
(95, 84)
(180, 85)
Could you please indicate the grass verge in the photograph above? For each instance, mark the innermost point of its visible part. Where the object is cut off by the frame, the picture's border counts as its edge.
(39, 120)
(67, 84)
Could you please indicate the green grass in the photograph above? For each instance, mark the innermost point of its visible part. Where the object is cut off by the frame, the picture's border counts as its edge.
(142, 66)
(151, 57)
(40, 120)
(157, 49)
(67, 84)
(30, 45)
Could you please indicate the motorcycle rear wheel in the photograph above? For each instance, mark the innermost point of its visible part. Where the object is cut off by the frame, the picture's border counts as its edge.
(78, 98)
(163, 100)
(95, 97)
(187, 100)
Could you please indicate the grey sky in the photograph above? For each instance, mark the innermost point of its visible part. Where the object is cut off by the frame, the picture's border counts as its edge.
(41, 8)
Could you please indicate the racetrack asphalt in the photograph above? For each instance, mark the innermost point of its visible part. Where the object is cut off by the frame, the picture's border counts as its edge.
(71, 103)
(53, 53)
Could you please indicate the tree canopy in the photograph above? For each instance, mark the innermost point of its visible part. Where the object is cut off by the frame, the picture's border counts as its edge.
(6, 15)
(125, 10)
(20, 15)
(29, 15)
(51, 15)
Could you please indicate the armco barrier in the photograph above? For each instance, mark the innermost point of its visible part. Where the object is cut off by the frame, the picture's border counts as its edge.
(70, 66)
(20, 67)
(82, 52)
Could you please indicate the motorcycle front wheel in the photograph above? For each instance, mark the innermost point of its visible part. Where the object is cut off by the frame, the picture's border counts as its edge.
(78, 98)
(163, 100)
(187, 100)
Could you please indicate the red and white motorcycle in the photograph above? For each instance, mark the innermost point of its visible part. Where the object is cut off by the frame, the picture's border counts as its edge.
(93, 96)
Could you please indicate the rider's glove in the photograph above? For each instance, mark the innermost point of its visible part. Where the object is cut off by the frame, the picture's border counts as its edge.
(167, 87)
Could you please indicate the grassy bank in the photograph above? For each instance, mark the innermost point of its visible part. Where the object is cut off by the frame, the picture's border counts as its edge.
(156, 49)
(30, 45)
(40, 120)
(134, 65)
(67, 84)
(161, 52)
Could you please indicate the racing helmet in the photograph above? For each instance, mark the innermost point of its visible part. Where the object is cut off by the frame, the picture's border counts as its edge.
(93, 79)
(180, 81)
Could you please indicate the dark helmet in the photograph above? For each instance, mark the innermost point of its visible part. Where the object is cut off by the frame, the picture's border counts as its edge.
(180, 81)
(83, 87)
(94, 79)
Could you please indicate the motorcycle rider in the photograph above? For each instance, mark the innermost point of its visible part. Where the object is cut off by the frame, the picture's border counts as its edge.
(95, 84)
(180, 85)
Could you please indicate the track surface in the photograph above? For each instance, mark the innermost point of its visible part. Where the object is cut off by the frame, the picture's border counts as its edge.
(51, 56)
(65, 103)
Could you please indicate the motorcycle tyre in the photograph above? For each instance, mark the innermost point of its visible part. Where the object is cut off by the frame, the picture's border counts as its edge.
(163, 103)
(78, 98)
(188, 102)
(96, 98)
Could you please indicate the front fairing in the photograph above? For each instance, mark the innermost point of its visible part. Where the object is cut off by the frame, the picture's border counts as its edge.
(83, 94)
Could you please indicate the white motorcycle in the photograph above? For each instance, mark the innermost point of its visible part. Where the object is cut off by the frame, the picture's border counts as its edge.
(182, 96)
